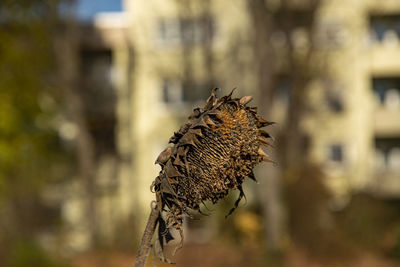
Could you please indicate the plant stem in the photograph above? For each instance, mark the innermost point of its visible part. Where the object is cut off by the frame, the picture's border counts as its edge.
(145, 243)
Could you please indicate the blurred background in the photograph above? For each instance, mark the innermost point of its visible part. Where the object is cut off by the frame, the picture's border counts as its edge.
(91, 91)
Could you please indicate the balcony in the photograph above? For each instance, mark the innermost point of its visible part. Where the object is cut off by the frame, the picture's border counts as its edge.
(387, 111)
(387, 167)
(385, 38)
(387, 122)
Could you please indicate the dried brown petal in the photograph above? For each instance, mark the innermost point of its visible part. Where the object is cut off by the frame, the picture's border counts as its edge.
(252, 109)
(181, 151)
(178, 161)
(164, 156)
(199, 123)
(264, 141)
(264, 134)
(209, 121)
(196, 131)
(188, 139)
(263, 123)
(245, 99)
(252, 177)
(212, 100)
(170, 170)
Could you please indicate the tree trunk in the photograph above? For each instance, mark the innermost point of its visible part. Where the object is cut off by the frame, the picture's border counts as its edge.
(66, 47)
(270, 189)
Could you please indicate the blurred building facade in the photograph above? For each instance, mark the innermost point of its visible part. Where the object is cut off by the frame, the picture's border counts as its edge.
(353, 125)
(167, 55)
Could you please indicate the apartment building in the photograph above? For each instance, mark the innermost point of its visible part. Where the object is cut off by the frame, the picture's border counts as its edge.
(354, 127)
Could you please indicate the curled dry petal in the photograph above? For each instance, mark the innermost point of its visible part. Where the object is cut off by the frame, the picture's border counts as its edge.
(196, 113)
(245, 99)
(212, 100)
(263, 123)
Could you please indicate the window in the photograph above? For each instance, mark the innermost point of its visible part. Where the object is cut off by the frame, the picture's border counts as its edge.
(387, 154)
(178, 92)
(172, 92)
(197, 30)
(333, 96)
(385, 28)
(284, 88)
(168, 31)
(336, 153)
(332, 35)
(188, 31)
(196, 91)
(387, 92)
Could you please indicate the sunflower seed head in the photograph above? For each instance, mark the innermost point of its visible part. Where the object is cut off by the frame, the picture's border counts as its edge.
(213, 153)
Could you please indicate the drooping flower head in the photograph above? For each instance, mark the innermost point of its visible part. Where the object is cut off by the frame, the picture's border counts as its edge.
(212, 154)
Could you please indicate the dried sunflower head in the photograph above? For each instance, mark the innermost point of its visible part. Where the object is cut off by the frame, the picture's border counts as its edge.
(211, 154)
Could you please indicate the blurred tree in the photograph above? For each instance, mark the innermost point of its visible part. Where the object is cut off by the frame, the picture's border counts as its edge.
(283, 47)
(31, 153)
(66, 47)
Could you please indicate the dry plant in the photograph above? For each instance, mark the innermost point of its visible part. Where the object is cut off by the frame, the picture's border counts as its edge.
(211, 154)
